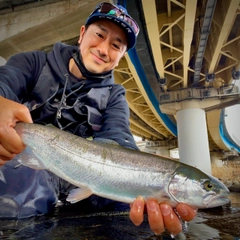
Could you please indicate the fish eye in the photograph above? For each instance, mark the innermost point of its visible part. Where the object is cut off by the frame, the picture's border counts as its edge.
(208, 185)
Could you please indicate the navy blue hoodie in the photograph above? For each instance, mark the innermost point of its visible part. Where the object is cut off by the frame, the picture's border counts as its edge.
(53, 95)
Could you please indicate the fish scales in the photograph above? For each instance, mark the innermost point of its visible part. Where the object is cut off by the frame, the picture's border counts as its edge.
(106, 174)
(112, 171)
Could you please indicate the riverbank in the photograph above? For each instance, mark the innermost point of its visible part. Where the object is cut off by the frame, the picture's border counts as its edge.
(229, 173)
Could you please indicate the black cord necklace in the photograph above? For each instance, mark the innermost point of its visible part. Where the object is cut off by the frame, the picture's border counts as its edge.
(87, 74)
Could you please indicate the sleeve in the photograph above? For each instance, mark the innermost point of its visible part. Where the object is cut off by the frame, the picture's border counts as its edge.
(19, 75)
(115, 120)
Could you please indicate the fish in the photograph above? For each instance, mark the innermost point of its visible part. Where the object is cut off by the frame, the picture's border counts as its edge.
(114, 172)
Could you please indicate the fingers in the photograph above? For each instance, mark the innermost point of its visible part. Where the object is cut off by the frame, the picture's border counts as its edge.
(10, 113)
(2, 162)
(161, 216)
(5, 154)
(171, 221)
(22, 114)
(165, 218)
(136, 211)
(155, 218)
(186, 212)
(11, 143)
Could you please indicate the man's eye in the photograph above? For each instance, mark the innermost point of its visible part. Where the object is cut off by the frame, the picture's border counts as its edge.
(116, 46)
(99, 35)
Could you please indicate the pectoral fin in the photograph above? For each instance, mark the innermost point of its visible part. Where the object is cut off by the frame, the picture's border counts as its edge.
(79, 194)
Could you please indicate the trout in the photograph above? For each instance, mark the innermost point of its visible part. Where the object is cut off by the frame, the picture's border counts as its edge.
(114, 172)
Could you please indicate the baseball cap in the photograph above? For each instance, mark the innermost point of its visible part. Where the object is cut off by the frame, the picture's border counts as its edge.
(119, 15)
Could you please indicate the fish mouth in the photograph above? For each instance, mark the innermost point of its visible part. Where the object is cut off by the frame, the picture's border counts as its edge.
(215, 200)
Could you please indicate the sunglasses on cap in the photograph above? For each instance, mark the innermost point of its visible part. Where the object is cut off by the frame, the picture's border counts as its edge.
(113, 10)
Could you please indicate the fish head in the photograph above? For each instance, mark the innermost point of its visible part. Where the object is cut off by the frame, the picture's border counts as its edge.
(196, 188)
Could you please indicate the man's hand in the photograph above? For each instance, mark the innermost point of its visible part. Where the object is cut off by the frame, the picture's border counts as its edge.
(161, 216)
(10, 142)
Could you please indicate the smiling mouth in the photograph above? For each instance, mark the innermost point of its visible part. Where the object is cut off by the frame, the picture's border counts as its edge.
(98, 59)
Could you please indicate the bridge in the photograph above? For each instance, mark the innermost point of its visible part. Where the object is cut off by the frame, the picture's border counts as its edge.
(181, 79)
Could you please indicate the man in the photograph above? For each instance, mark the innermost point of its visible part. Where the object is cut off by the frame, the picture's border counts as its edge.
(72, 88)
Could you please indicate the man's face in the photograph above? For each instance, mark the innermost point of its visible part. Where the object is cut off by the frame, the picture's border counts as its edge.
(102, 46)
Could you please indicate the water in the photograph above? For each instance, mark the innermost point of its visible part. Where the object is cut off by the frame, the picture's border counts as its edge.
(71, 223)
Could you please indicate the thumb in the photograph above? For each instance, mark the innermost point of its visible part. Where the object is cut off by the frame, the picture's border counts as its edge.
(22, 114)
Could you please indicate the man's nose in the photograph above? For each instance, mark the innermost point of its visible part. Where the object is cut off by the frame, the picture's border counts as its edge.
(103, 47)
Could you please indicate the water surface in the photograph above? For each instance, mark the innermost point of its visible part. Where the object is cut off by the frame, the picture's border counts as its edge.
(73, 223)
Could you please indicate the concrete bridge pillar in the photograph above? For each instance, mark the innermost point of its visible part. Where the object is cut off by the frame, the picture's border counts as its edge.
(190, 107)
(163, 151)
(193, 138)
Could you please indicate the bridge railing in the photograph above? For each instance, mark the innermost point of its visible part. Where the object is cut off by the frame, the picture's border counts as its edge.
(198, 93)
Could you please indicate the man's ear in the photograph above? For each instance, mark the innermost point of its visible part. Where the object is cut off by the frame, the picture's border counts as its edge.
(82, 31)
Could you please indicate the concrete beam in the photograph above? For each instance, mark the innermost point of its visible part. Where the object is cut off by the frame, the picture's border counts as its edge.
(219, 36)
(189, 21)
(159, 126)
(207, 105)
(213, 119)
(62, 27)
(150, 14)
(19, 21)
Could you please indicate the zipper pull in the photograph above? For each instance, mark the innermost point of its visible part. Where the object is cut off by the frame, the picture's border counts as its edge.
(59, 115)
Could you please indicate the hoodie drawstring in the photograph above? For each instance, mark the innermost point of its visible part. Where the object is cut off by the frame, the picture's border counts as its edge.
(63, 100)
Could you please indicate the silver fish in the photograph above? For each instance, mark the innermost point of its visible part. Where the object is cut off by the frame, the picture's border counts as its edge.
(114, 172)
